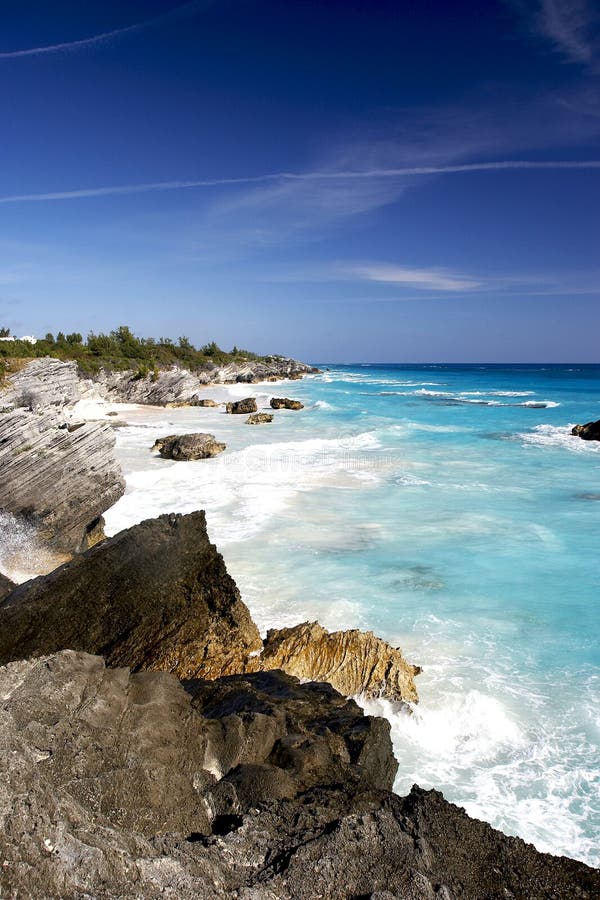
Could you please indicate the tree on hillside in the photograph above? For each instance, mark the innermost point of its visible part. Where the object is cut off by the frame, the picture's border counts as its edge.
(4, 332)
(74, 338)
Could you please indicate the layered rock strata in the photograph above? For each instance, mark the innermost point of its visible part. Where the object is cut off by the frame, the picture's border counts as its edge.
(178, 385)
(354, 662)
(121, 785)
(60, 476)
(185, 447)
(156, 596)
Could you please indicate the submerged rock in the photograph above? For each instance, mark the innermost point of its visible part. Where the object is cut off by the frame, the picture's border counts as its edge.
(354, 662)
(126, 785)
(156, 596)
(285, 403)
(259, 419)
(239, 407)
(184, 447)
(60, 476)
(588, 432)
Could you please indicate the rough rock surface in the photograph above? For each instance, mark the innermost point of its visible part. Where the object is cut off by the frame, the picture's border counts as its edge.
(59, 475)
(43, 383)
(285, 403)
(176, 385)
(119, 785)
(184, 447)
(156, 596)
(588, 432)
(354, 662)
(240, 407)
(259, 419)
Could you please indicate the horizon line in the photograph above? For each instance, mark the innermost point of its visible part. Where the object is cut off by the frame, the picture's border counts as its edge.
(406, 172)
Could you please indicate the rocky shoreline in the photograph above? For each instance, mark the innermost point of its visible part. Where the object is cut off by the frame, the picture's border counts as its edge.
(154, 746)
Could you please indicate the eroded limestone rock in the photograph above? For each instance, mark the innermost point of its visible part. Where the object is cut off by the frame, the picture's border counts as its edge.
(259, 419)
(354, 662)
(156, 596)
(61, 476)
(185, 447)
(285, 403)
(239, 407)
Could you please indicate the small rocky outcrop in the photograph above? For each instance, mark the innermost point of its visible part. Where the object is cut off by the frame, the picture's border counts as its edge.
(588, 432)
(207, 402)
(120, 784)
(156, 596)
(354, 662)
(259, 419)
(184, 447)
(285, 403)
(61, 476)
(242, 407)
(180, 386)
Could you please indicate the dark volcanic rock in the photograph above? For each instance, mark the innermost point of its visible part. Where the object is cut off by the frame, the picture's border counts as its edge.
(259, 419)
(285, 403)
(119, 785)
(59, 475)
(156, 596)
(588, 432)
(184, 447)
(239, 407)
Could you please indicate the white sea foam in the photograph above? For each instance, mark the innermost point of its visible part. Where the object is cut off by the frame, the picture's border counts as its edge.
(244, 489)
(558, 437)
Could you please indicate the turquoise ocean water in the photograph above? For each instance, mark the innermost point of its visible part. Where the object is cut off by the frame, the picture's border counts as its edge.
(448, 509)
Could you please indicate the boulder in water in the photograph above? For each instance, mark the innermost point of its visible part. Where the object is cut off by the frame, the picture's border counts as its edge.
(241, 407)
(184, 447)
(588, 432)
(285, 403)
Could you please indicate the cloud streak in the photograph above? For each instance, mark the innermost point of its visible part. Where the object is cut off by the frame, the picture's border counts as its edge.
(422, 279)
(567, 23)
(325, 176)
(97, 38)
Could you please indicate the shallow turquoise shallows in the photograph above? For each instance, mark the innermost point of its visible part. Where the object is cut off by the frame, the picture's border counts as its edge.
(449, 509)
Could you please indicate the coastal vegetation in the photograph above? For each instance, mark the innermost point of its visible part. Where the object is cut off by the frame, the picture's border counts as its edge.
(119, 350)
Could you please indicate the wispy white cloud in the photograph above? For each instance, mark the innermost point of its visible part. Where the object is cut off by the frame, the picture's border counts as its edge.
(290, 178)
(97, 38)
(568, 24)
(422, 279)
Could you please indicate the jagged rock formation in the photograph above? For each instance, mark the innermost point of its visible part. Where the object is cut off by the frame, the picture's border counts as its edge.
(259, 419)
(285, 403)
(354, 662)
(156, 596)
(242, 407)
(257, 787)
(177, 385)
(42, 383)
(60, 476)
(588, 432)
(184, 447)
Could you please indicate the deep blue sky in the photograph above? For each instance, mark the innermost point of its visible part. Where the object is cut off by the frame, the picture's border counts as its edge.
(358, 257)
